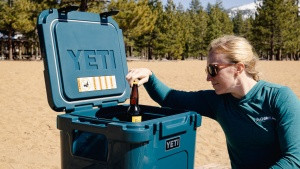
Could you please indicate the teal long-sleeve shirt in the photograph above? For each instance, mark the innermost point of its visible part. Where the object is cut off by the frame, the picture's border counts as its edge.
(262, 129)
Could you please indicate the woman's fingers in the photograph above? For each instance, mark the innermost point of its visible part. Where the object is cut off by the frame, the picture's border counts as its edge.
(143, 80)
(141, 74)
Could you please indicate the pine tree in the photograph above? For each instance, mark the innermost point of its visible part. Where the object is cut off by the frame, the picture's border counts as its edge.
(219, 23)
(159, 32)
(185, 27)
(247, 27)
(171, 36)
(198, 29)
(14, 17)
(145, 44)
(274, 27)
(242, 27)
(238, 24)
(290, 30)
(135, 18)
(195, 6)
(32, 36)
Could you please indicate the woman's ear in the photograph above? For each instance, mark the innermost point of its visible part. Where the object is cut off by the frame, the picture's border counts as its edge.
(240, 67)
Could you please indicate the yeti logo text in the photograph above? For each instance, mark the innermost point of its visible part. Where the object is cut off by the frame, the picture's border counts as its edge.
(172, 143)
(92, 59)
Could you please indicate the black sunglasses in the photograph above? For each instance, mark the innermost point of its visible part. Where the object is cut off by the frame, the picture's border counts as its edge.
(213, 69)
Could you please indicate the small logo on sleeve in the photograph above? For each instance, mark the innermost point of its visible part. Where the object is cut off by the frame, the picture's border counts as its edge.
(266, 118)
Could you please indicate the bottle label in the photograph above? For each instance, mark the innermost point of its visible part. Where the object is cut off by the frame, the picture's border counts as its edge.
(135, 119)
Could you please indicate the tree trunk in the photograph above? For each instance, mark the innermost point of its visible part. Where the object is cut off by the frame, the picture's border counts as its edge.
(279, 55)
(261, 54)
(201, 57)
(130, 50)
(294, 56)
(149, 53)
(83, 6)
(31, 53)
(20, 50)
(168, 56)
(10, 46)
(272, 47)
(36, 51)
(1, 49)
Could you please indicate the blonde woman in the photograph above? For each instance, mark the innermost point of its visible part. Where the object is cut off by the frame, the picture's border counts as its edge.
(261, 120)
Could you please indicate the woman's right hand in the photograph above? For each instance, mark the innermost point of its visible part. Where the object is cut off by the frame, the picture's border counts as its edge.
(141, 74)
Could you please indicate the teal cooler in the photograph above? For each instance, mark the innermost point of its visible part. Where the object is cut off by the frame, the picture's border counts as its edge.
(85, 69)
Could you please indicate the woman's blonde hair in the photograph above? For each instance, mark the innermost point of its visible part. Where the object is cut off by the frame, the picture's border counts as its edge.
(236, 49)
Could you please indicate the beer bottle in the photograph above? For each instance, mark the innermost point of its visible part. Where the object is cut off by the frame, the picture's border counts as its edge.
(133, 113)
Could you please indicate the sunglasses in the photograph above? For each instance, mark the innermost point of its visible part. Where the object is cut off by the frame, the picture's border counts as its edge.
(213, 69)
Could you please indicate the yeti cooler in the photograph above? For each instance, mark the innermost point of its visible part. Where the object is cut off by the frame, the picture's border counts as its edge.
(85, 69)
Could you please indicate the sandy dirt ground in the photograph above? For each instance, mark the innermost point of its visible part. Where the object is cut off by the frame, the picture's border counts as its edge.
(29, 137)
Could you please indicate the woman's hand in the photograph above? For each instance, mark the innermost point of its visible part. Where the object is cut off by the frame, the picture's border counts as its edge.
(141, 74)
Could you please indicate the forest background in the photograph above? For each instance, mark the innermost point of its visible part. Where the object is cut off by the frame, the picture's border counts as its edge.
(152, 30)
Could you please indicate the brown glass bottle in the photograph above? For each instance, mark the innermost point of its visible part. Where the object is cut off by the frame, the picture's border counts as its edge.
(134, 113)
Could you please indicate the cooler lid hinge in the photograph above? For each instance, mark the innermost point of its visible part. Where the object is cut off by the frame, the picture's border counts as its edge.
(68, 9)
(105, 15)
(109, 13)
(80, 108)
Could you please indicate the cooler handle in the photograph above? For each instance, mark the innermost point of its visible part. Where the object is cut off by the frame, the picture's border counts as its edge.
(89, 127)
(112, 130)
(174, 126)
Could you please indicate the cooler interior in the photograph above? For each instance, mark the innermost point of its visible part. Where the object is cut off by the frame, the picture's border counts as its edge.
(117, 113)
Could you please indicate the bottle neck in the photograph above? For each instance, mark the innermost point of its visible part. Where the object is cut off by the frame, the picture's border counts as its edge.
(134, 97)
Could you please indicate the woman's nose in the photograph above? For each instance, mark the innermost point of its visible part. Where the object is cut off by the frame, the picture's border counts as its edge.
(208, 77)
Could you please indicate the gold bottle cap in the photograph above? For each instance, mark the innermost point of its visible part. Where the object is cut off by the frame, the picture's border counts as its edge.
(136, 82)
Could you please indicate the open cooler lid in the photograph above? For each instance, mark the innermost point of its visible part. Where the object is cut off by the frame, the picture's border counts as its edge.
(84, 59)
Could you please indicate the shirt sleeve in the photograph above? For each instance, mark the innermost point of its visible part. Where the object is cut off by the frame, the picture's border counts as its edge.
(287, 110)
(198, 101)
